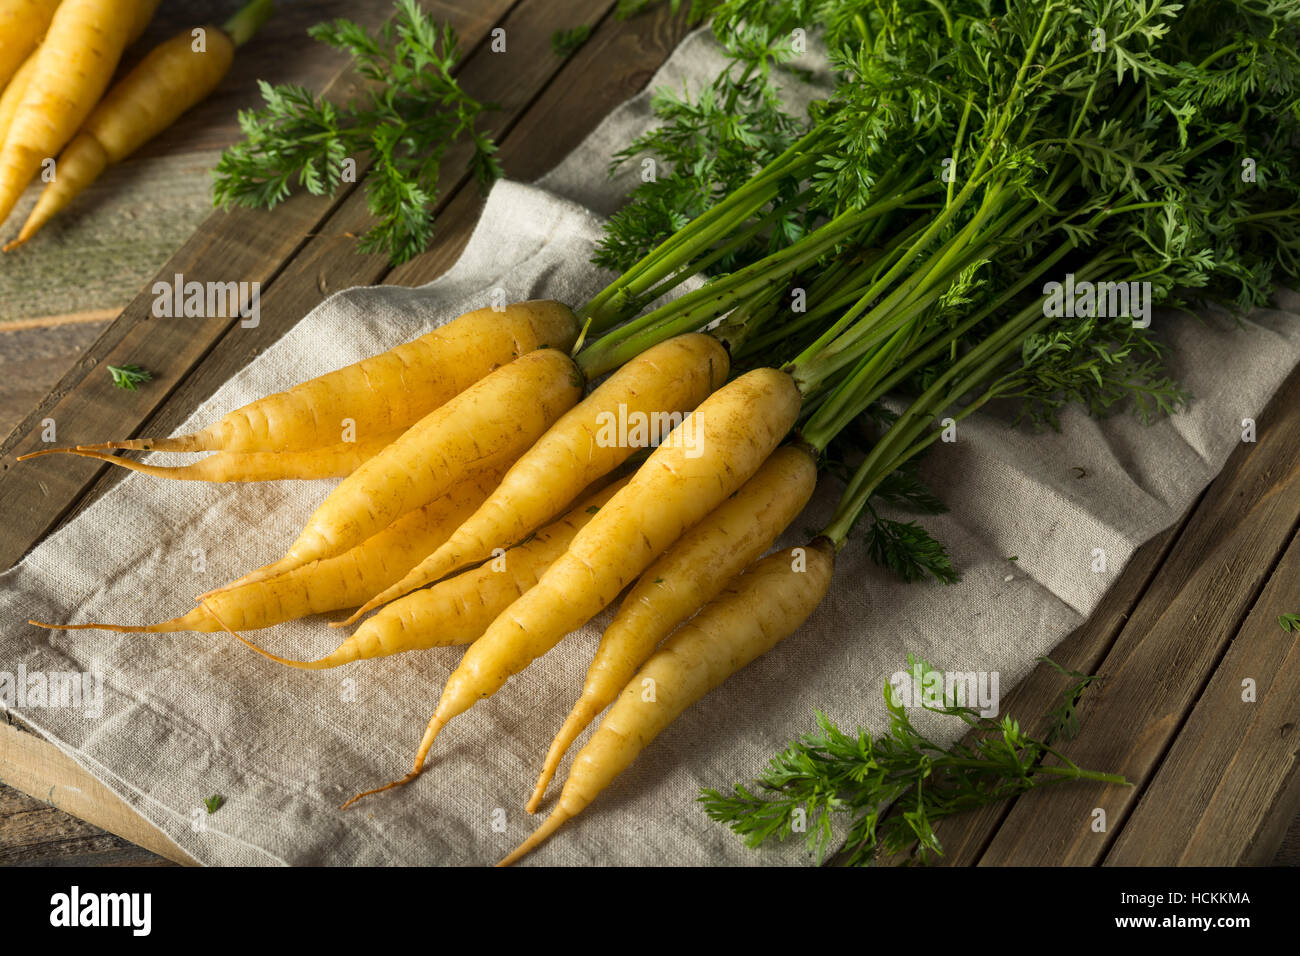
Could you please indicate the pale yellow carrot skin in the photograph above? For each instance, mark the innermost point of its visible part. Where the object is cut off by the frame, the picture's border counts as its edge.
(458, 609)
(685, 578)
(162, 86)
(490, 424)
(393, 389)
(332, 584)
(13, 95)
(670, 378)
(757, 611)
(734, 431)
(330, 461)
(74, 64)
(22, 24)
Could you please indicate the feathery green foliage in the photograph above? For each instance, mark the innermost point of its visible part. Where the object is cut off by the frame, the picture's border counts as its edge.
(412, 112)
(891, 789)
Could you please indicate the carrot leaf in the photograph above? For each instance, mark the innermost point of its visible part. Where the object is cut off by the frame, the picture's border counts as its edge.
(413, 111)
(564, 43)
(893, 787)
(129, 376)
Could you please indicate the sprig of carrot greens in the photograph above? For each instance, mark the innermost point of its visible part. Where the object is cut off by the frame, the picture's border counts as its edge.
(413, 111)
(129, 377)
(566, 42)
(894, 787)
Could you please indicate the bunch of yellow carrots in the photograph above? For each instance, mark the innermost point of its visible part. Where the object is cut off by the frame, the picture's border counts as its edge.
(484, 505)
(59, 119)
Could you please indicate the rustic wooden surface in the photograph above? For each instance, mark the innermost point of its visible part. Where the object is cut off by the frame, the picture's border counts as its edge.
(58, 294)
(1191, 617)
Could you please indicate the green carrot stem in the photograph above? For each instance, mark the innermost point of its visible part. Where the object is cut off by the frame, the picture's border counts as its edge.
(908, 436)
(606, 308)
(248, 20)
(695, 309)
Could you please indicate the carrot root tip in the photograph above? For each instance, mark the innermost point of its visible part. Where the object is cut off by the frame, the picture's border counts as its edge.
(118, 628)
(550, 825)
(388, 786)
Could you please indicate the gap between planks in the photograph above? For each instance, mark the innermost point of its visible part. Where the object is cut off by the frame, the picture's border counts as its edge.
(1168, 651)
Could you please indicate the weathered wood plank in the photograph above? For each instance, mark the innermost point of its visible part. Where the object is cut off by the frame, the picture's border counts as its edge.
(32, 360)
(38, 768)
(242, 245)
(1170, 647)
(33, 833)
(126, 225)
(1229, 786)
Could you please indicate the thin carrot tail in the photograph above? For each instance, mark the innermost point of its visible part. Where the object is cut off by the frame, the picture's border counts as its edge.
(196, 620)
(119, 628)
(552, 823)
(327, 661)
(435, 724)
(69, 450)
(388, 786)
(161, 471)
(584, 711)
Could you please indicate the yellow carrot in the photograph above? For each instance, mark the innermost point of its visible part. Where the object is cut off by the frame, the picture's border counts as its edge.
(684, 578)
(73, 66)
(491, 423)
(666, 380)
(339, 582)
(706, 458)
(756, 612)
(458, 609)
(330, 461)
(13, 95)
(393, 389)
(170, 79)
(22, 24)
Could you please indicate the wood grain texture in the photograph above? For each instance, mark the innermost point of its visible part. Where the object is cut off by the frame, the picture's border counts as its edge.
(32, 360)
(38, 768)
(116, 235)
(1229, 785)
(33, 833)
(1169, 649)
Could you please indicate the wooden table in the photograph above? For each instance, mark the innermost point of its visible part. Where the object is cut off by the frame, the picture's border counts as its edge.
(1192, 616)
